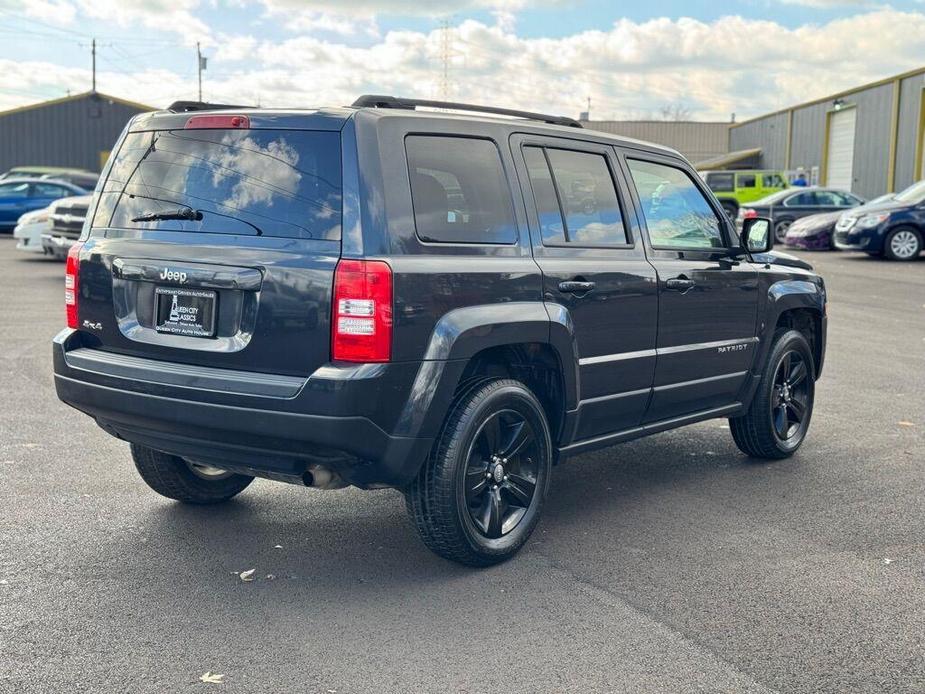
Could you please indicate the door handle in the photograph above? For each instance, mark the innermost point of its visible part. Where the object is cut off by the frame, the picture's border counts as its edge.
(576, 287)
(679, 284)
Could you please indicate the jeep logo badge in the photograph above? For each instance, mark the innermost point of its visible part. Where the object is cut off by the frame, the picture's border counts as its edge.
(173, 275)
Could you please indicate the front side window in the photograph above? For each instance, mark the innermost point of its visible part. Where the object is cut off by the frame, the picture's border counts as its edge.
(459, 191)
(773, 181)
(802, 199)
(677, 214)
(721, 182)
(575, 197)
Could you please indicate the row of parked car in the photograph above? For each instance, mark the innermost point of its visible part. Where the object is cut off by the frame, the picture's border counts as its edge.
(820, 218)
(45, 207)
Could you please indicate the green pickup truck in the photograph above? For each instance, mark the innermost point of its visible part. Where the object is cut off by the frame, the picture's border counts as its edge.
(735, 188)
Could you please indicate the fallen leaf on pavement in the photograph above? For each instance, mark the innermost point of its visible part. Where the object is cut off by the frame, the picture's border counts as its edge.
(904, 423)
(247, 576)
(212, 678)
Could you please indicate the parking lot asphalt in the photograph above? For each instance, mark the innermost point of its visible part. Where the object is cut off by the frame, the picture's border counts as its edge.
(670, 564)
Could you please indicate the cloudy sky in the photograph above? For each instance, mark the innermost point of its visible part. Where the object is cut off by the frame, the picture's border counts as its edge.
(706, 58)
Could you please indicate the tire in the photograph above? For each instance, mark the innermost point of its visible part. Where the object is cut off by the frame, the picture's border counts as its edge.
(777, 420)
(902, 244)
(731, 209)
(480, 494)
(175, 478)
(780, 230)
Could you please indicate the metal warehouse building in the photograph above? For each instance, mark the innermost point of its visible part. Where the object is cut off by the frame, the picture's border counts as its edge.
(870, 140)
(76, 131)
(698, 141)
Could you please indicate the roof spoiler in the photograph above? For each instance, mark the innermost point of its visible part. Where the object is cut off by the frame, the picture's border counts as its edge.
(187, 106)
(381, 101)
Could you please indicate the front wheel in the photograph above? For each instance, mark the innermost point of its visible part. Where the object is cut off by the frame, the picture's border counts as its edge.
(479, 496)
(777, 420)
(903, 244)
(780, 230)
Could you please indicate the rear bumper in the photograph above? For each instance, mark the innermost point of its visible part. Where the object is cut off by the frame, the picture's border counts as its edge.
(58, 246)
(274, 425)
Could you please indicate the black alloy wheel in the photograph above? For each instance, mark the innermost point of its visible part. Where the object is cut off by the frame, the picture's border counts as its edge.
(790, 396)
(480, 495)
(777, 420)
(501, 473)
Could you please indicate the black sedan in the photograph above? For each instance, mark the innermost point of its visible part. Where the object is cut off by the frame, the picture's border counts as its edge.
(785, 207)
(894, 229)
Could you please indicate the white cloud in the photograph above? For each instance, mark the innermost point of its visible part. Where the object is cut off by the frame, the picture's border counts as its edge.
(630, 69)
(59, 12)
(174, 16)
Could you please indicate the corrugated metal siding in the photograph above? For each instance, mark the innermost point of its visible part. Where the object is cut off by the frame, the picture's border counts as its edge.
(769, 133)
(874, 106)
(808, 136)
(70, 133)
(909, 118)
(696, 141)
(872, 140)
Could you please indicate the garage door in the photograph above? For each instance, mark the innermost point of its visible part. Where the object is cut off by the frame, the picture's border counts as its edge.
(840, 165)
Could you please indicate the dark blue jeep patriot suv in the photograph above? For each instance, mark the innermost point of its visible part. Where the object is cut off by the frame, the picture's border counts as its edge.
(444, 304)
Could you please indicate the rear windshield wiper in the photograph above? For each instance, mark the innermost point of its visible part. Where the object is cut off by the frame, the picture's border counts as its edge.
(185, 213)
(182, 213)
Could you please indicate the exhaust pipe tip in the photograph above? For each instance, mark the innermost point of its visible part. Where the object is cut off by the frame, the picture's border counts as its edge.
(319, 477)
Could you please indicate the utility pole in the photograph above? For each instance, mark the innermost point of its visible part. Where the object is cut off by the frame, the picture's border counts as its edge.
(93, 57)
(200, 66)
(445, 57)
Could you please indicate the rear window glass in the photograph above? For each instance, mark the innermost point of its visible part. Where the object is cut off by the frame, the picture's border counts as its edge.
(459, 191)
(271, 182)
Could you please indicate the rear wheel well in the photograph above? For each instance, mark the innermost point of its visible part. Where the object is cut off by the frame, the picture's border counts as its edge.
(533, 363)
(808, 322)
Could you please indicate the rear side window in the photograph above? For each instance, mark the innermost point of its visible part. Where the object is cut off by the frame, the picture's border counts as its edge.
(48, 190)
(12, 190)
(459, 191)
(270, 182)
(576, 199)
(773, 181)
(745, 180)
(721, 182)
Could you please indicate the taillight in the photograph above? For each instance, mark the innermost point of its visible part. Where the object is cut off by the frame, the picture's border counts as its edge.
(72, 284)
(749, 214)
(219, 122)
(362, 321)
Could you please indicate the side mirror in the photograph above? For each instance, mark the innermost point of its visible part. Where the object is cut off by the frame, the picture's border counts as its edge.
(756, 235)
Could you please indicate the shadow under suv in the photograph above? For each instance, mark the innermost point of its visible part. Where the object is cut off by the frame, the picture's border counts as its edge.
(444, 304)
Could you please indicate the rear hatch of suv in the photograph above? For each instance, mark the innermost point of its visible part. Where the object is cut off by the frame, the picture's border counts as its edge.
(214, 240)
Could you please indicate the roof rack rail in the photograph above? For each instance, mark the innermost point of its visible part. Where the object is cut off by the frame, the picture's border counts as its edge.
(381, 101)
(186, 106)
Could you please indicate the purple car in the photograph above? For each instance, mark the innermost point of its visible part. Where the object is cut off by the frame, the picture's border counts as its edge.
(813, 233)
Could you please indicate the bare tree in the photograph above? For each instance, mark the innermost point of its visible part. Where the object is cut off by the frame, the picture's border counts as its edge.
(674, 112)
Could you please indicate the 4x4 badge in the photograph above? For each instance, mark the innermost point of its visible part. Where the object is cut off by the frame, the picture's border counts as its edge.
(92, 326)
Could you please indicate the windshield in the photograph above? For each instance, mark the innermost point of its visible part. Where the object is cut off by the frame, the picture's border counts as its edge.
(278, 182)
(913, 194)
